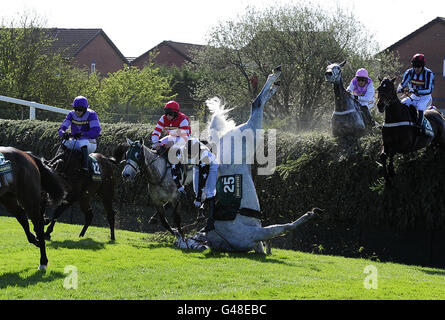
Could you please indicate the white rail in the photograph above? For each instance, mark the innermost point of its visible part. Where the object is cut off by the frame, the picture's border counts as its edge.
(33, 105)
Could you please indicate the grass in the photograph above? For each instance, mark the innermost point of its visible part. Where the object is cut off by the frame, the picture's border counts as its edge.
(138, 266)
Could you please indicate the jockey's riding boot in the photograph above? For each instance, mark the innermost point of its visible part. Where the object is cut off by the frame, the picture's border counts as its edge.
(210, 220)
(84, 168)
(420, 122)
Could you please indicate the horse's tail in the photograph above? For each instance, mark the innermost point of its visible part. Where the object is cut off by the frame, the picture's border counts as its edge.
(219, 124)
(50, 181)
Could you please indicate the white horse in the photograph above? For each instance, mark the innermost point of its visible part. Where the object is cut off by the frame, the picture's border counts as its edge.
(347, 119)
(243, 232)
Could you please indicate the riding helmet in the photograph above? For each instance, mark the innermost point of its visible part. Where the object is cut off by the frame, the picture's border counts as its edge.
(80, 102)
(362, 73)
(418, 60)
(172, 105)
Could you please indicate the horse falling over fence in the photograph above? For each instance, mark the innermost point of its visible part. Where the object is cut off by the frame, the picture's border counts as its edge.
(155, 167)
(238, 228)
(399, 132)
(347, 119)
(81, 189)
(21, 193)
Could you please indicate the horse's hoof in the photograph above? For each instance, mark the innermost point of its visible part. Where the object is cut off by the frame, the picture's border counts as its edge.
(42, 267)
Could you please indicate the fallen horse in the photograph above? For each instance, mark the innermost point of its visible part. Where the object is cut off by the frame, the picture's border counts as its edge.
(237, 226)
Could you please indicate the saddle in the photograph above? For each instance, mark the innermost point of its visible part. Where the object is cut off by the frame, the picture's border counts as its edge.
(59, 163)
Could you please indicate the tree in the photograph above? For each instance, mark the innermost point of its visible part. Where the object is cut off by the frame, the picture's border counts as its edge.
(301, 38)
(31, 70)
(131, 91)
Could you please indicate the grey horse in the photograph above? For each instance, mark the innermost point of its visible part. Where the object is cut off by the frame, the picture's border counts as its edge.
(161, 187)
(347, 119)
(243, 232)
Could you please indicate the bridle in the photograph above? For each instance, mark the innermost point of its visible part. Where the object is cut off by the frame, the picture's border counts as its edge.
(137, 164)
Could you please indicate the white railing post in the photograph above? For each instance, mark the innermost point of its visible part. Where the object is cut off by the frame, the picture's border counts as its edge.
(32, 106)
(32, 113)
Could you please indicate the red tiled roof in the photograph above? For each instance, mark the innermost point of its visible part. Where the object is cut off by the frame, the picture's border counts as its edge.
(72, 41)
(184, 49)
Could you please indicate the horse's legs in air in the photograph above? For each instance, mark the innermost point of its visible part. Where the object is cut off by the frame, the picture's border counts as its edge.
(391, 171)
(58, 212)
(383, 159)
(161, 212)
(88, 212)
(12, 206)
(269, 232)
(108, 205)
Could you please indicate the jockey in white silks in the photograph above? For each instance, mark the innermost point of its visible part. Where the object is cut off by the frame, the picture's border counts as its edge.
(85, 128)
(178, 127)
(205, 172)
(420, 81)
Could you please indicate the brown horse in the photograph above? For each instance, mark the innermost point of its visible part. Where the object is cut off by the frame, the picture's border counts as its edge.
(399, 132)
(21, 191)
(80, 188)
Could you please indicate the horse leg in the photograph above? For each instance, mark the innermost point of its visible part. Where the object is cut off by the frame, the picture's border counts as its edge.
(161, 212)
(88, 212)
(39, 229)
(383, 161)
(269, 232)
(12, 206)
(108, 205)
(391, 171)
(177, 218)
(58, 212)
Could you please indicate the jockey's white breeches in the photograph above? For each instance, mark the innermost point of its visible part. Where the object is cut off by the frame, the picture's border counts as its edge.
(420, 102)
(210, 187)
(77, 144)
(173, 139)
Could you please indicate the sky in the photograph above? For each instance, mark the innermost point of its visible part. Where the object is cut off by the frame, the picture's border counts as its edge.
(137, 26)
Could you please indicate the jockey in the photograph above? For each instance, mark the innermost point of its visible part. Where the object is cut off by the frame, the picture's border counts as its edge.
(178, 127)
(205, 172)
(362, 88)
(85, 128)
(419, 81)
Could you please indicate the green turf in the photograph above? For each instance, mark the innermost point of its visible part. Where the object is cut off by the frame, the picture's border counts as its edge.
(145, 266)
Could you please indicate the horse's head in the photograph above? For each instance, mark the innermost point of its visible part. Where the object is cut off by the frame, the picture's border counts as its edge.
(386, 93)
(134, 159)
(333, 72)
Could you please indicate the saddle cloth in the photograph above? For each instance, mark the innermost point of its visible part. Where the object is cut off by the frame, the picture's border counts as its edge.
(428, 128)
(94, 168)
(5, 167)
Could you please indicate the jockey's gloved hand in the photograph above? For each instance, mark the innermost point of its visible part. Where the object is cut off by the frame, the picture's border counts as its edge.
(77, 135)
(197, 203)
(65, 135)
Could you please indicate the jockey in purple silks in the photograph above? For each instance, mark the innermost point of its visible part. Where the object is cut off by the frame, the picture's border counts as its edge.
(362, 88)
(85, 128)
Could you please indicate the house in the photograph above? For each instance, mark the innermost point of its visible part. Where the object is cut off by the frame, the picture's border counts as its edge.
(90, 48)
(170, 53)
(429, 40)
